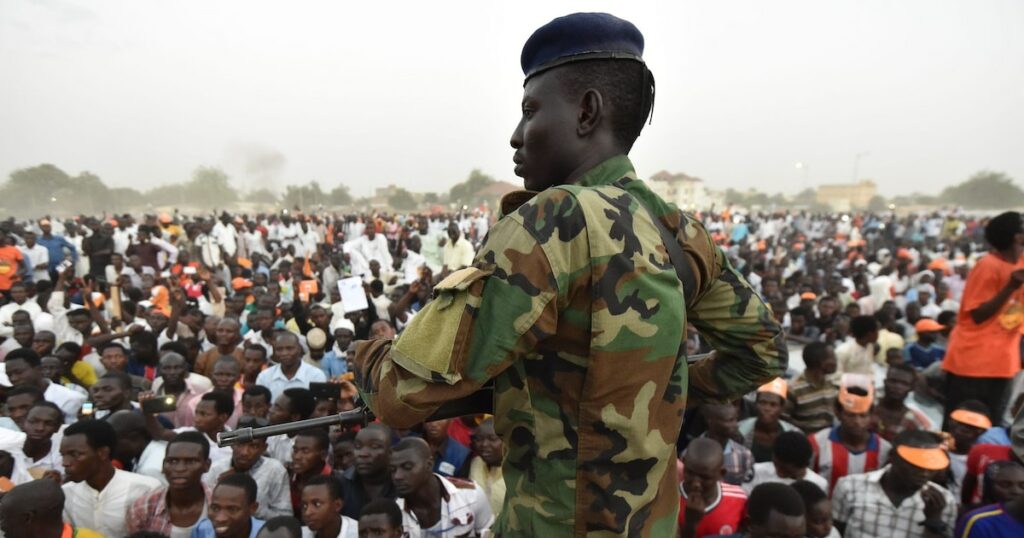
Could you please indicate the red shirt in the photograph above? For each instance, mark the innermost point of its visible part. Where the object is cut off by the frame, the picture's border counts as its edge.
(722, 516)
(978, 459)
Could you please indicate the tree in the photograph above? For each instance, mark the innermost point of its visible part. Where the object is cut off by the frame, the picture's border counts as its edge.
(210, 187)
(985, 190)
(261, 196)
(463, 192)
(402, 200)
(340, 195)
(301, 196)
(431, 198)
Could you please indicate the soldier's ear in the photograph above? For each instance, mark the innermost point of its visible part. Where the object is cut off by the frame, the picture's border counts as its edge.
(590, 113)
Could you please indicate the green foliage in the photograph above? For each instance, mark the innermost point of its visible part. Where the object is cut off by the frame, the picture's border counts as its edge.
(431, 198)
(463, 192)
(402, 200)
(340, 195)
(984, 190)
(261, 196)
(303, 196)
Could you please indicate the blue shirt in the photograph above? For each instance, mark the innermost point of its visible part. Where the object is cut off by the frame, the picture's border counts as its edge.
(996, 435)
(333, 365)
(922, 357)
(453, 459)
(205, 528)
(56, 245)
(990, 521)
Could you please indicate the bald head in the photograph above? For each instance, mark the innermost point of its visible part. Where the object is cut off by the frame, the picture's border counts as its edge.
(703, 452)
(414, 445)
(30, 507)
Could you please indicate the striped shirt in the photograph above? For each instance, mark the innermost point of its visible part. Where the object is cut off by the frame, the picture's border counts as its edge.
(812, 404)
(832, 460)
(990, 521)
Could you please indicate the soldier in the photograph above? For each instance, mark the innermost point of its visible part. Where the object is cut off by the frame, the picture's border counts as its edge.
(576, 310)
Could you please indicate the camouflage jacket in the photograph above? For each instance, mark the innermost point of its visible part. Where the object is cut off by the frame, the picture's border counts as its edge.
(574, 310)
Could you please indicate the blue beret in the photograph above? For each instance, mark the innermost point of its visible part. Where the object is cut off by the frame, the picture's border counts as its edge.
(581, 36)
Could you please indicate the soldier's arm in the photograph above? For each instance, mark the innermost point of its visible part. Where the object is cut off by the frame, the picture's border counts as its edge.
(481, 320)
(750, 346)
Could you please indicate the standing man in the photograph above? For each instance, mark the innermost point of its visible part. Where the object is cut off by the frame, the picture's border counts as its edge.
(55, 245)
(984, 347)
(575, 309)
(232, 512)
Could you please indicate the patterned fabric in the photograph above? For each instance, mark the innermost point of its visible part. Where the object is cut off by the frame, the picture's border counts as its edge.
(990, 521)
(860, 502)
(812, 404)
(151, 513)
(574, 310)
(832, 460)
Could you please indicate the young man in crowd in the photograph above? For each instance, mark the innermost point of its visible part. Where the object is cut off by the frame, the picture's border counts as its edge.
(112, 393)
(892, 416)
(22, 367)
(431, 502)
(114, 358)
(898, 499)
(451, 458)
(708, 505)
(759, 432)
(381, 518)
(857, 354)
(818, 509)
(292, 405)
(98, 495)
(274, 495)
(254, 361)
(224, 376)
(926, 350)
(775, 511)
(369, 479)
(309, 459)
(966, 424)
(290, 371)
(256, 401)
(40, 453)
(722, 428)
(233, 510)
(1003, 518)
(136, 450)
(29, 511)
(322, 501)
(791, 459)
(187, 387)
(177, 507)
(812, 394)
(228, 337)
(850, 447)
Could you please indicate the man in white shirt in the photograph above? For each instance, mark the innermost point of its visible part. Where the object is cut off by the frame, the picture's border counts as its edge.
(211, 250)
(97, 494)
(22, 367)
(19, 301)
(373, 246)
(458, 252)
(413, 261)
(290, 371)
(791, 457)
(462, 506)
(274, 494)
(37, 256)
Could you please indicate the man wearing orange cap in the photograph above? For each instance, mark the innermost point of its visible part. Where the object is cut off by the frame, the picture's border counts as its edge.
(759, 432)
(966, 425)
(925, 351)
(850, 448)
(899, 499)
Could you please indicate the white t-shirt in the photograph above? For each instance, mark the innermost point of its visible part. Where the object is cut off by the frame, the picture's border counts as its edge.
(765, 472)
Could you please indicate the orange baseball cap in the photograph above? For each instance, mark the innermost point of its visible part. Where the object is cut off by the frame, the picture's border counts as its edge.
(809, 295)
(930, 458)
(851, 401)
(777, 386)
(971, 418)
(928, 325)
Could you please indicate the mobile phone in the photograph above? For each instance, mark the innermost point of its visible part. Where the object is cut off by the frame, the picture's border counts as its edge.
(189, 270)
(325, 391)
(160, 404)
(87, 409)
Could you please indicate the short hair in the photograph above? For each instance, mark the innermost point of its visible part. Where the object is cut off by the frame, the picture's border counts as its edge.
(256, 347)
(300, 402)
(176, 347)
(286, 523)
(27, 389)
(861, 326)
(258, 390)
(387, 507)
(916, 438)
(809, 492)
(628, 87)
(223, 403)
(26, 354)
(975, 405)
(46, 404)
(319, 434)
(814, 354)
(242, 481)
(1001, 228)
(412, 443)
(249, 421)
(775, 496)
(226, 359)
(145, 338)
(122, 378)
(70, 346)
(193, 437)
(98, 433)
(113, 344)
(793, 448)
(333, 485)
(902, 367)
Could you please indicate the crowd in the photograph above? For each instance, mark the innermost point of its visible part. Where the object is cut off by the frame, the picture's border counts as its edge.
(129, 345)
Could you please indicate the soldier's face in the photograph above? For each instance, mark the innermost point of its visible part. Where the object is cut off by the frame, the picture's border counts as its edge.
(546, 141)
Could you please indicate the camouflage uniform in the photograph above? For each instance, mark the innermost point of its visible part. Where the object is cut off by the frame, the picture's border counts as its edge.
(574, 310)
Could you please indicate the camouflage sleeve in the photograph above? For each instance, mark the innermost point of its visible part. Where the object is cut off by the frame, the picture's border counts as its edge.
(750, 346)
(481, 319)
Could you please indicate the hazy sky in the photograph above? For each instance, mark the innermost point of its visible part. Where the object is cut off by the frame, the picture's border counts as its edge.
(419, 93)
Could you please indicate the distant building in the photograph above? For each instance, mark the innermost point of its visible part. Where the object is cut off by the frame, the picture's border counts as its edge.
(492, 193)
(848, 196)
(686, 192)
